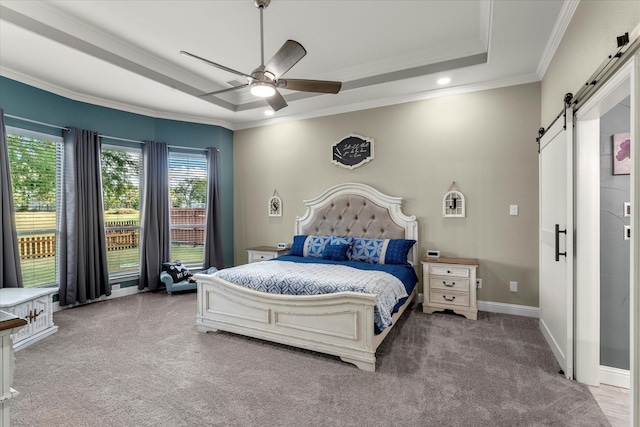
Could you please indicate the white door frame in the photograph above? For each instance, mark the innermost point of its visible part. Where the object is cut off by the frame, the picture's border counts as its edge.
(587, 339)
(634, 296)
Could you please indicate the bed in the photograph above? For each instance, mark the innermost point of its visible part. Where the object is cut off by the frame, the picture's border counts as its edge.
(339, 323)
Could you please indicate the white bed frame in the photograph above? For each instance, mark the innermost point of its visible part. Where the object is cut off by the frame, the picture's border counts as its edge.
(340, 324)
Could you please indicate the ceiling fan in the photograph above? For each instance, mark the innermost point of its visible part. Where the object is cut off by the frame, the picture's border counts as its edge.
(266, 79)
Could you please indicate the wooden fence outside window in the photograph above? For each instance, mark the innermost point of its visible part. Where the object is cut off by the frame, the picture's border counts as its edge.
(45, 245)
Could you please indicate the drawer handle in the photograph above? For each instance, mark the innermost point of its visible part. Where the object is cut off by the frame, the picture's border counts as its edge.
(447, 299)
(448, 272)
(33, 314)
(449, 285)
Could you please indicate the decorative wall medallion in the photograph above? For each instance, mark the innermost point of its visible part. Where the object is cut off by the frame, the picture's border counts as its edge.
(352, 151)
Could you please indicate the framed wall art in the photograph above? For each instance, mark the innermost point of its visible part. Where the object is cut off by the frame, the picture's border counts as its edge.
(352, 151)
(621, 154)
(275, 205)
(454, 203)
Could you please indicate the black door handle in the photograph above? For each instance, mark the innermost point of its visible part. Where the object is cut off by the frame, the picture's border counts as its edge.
(558, 253)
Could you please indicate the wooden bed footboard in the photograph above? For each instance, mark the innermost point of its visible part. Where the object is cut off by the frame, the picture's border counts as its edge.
(340, 324)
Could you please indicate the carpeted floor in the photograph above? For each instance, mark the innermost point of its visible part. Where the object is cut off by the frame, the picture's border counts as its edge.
(139, 361)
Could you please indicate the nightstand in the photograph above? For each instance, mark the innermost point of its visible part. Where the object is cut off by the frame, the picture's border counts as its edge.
(450, 283)
(263, 253)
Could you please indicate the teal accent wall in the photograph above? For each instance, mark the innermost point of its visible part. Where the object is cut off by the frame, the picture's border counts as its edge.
(19, 99)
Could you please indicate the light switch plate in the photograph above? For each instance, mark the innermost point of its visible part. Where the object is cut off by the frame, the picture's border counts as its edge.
(513, 210)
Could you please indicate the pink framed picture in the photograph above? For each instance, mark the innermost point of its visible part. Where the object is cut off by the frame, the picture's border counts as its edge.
(621, 154)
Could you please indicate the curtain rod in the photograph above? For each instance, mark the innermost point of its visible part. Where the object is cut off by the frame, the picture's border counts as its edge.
(115, 138)
(36, 122)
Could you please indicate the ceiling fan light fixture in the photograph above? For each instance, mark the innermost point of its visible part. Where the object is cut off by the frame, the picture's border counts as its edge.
(262, 89)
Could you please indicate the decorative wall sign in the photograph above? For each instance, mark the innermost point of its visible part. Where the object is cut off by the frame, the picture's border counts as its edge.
(352, 151)
(275, 205)
(622, 154)
(453, 203)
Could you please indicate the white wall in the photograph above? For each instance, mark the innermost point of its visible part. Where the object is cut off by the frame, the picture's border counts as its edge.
(484, 141)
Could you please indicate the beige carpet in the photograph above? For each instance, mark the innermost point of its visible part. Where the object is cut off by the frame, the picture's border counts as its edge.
(139, 361)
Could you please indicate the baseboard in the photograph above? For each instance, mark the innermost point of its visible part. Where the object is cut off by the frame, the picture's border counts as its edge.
(115, 293)
(615, 376)
(555, 348)
(501, 307)
(504, 308)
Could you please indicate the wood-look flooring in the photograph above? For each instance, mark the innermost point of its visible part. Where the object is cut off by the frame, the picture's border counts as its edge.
(614, 402)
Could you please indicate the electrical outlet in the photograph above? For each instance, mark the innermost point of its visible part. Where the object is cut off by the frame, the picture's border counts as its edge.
(478, 283)
(513, 286)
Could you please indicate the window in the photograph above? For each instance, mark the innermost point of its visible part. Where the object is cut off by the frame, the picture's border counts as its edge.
(121, 179)
(35, 161)
(188, 194)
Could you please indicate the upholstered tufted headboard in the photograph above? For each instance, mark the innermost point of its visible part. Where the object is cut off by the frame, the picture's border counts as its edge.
(354, 209)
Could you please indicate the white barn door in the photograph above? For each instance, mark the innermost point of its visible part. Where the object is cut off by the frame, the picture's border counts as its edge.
(556, 239)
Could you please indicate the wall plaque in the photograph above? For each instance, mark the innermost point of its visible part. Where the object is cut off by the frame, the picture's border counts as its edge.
(352, 151)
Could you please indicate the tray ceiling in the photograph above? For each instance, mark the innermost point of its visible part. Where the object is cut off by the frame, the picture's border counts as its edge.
(125, 54)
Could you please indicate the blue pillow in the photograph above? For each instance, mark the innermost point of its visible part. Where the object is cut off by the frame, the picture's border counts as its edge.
(367, 250)
(297, 248)
(381, 251)
(397, 251)
(314, 245)
(336, 252)
(343, 240)
(308, 246)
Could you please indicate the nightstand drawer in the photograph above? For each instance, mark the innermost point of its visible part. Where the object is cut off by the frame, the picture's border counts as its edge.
(262, 256)
(449, 298)
(449, 283)
(448, 270)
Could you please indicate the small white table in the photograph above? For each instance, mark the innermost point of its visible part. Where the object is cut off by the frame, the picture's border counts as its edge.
(263, 253)
(8, 324)
(33, 305)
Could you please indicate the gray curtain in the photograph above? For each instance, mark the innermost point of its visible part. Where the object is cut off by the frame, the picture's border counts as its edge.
(84, 274)
(156, 239)
(10, 272)
(213, 256)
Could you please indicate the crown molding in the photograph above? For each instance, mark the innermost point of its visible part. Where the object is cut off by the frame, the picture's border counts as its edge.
(564, 18)
(378, 103)
(102, 102)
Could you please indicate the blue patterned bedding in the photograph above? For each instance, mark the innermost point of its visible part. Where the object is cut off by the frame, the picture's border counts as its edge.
(291, 275)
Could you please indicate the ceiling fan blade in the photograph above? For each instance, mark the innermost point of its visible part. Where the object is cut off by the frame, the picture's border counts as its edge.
(218, 92)
(222, 67)
(276, 101)
(289, 54)
(322, 86)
